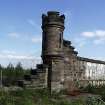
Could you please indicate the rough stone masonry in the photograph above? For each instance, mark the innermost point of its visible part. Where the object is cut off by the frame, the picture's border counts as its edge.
(60, 62)
(57, 53)
(61, 67)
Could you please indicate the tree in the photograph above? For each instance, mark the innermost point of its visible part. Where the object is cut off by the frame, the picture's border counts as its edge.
(19, 66)
(0, 67)
(19, 70)
(9, 75)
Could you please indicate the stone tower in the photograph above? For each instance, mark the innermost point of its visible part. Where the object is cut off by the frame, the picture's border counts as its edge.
(61, 68)
(52, 48)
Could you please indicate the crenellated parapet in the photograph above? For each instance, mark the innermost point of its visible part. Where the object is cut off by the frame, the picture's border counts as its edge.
(67, 44)
(53, 18)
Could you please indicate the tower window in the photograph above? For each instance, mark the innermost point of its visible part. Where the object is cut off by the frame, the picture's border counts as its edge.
(60, 40)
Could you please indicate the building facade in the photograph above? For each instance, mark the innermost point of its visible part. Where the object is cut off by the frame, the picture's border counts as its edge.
(57, 53)
(62, 68)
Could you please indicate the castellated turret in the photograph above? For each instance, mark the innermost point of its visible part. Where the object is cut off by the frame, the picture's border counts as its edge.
(53, 27)
(58, 54)
(52, 47)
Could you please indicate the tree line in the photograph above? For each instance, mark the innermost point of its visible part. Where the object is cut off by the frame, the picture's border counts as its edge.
(11, 74)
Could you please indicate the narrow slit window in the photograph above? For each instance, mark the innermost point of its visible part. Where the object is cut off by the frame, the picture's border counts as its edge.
(60, 40)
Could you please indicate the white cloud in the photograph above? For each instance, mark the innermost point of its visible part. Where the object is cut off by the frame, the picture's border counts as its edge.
(95, 34)
(13, 35)
(99, 58)
(33, 38)
(99, 41)
(88, 34)
(68, 17)
(35, 25)
(8, 52)
(100, 33)
(36, 39)
(80, 42)
(30, 21)
(10, 56)
(27, 61)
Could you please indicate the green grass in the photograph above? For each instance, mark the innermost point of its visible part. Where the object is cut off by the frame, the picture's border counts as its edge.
(30, 97)
(41, 97)
(99, 90)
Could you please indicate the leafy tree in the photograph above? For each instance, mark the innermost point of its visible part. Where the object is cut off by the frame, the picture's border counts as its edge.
(0, 67)
(19, 70)
(11, 74)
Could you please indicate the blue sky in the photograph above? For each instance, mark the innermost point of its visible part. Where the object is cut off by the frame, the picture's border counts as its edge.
(20, 28)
